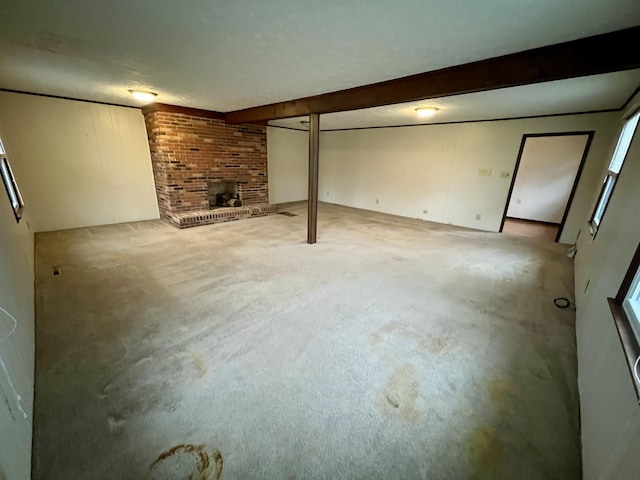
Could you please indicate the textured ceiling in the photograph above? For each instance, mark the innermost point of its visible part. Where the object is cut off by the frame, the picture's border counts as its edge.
(226, 55)
(597, 92)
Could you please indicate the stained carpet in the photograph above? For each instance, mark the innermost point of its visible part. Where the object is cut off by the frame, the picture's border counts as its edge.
(392, 349)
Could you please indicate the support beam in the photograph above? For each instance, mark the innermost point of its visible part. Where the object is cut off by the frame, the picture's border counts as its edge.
(194, 112)
(610, 52)
(314, 147)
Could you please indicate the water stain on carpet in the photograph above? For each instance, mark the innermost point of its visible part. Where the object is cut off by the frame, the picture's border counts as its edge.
(485, 452)
(116, 422)
(187, 461)
(147, 386)
(434, 344)
(501, 392)
(200, 363)
(428, 343)
(401, 393)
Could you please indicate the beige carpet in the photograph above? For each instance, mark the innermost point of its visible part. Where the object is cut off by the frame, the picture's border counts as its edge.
(530, 229)
(391, 349)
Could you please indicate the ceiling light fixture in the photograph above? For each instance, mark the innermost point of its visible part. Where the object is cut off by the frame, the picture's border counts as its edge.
(143, 96)
(426, 112)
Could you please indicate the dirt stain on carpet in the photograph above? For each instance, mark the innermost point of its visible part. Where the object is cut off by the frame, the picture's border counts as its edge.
(401, 393)
(189, 459)
(485, 452)
(426, 343)
(501, 392)
(434, 344)
(200, 363)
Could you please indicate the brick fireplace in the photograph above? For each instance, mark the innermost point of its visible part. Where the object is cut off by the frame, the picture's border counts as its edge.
(206, 171)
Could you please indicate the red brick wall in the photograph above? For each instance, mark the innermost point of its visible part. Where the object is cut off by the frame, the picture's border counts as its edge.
(188, 152)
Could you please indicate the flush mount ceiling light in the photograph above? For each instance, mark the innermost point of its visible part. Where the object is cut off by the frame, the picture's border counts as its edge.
(143, 96)
(426, 112)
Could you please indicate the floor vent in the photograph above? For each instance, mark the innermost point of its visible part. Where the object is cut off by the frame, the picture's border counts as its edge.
(288, 214)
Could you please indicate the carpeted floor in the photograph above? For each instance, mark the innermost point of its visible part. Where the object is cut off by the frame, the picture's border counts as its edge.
(391, 349)
(531, 229)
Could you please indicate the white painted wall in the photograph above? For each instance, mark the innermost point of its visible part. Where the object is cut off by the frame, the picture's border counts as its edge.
(288, 164)
(545, 177)
(435, 168)
(610, 413)
(81, 163)
(17, 350)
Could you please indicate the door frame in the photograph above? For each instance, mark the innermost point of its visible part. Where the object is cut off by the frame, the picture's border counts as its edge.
(590, 134)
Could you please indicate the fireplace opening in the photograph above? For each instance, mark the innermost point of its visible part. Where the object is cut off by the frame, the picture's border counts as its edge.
(224, 193)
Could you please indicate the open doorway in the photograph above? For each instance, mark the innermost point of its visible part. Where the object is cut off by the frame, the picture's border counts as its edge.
(547, 172)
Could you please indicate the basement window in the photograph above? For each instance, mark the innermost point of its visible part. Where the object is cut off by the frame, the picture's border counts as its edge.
(626, 313)
(17, 204)
(617, 160)
(631, 304)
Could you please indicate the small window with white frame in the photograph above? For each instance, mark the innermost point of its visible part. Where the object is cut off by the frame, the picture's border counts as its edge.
(17, 204)
(625, 308)
(617, 160)
(631, 304)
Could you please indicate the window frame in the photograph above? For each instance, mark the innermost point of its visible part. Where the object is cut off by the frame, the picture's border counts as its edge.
(631, 304)
(11, 186)
(611, 178)
(628, 326)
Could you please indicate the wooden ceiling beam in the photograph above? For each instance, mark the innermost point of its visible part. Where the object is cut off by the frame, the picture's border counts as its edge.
(193, 112)
(609, 52)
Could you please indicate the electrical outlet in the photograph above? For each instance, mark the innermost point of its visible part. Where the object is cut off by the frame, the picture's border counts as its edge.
(327, 194)
(518, 201)
(377, 200)
(485, 172)
(505, 175)
(478, 216)
(425, 211)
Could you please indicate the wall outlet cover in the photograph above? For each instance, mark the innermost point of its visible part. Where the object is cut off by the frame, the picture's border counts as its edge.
(485, 172)
(505, 175)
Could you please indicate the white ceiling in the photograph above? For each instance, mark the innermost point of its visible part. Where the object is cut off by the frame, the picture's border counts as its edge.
(226, 55)
(594, 93)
